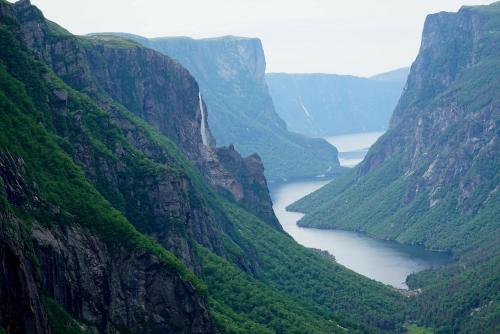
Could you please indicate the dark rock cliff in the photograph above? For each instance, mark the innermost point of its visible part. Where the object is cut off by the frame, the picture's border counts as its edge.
(21, 308)
(150, 85)
(128, 290)
(106, 290)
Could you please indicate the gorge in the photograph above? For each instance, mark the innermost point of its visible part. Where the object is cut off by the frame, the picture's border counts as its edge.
(127, 207)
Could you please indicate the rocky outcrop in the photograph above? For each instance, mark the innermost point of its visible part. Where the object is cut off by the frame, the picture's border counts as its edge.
(251, 183)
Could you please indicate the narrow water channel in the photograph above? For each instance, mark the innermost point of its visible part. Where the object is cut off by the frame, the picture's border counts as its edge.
(385, 261)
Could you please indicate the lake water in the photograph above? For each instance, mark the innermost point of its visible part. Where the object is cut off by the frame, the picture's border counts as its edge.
(353, 147)
(385, 261)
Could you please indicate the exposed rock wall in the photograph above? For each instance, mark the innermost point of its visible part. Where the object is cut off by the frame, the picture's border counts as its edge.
(105, 289)
(444, 135)
(119, 290)
(151, 85)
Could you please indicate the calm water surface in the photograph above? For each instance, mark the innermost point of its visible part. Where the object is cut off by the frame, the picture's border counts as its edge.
(353, 147)
(384, 261)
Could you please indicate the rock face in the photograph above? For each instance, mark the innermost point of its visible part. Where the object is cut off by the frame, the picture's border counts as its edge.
(231, 74)
(447, 137)
(108, 290)
(132, 290)
(21, 308)
(440, 153)
(151, 85)
(322, 105)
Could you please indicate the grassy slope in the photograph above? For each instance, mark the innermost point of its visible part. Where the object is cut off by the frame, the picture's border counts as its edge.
(28, 130)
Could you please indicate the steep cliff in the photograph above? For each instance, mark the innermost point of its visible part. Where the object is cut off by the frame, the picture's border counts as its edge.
(231, 74)
(148, 84)
(322, 105)
(433, 178)
(63, 246)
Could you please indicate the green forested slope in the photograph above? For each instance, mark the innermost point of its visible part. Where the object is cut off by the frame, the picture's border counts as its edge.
(255, 278)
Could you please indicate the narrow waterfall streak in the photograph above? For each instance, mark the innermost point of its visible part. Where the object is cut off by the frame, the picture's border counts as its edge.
(203, 128)
(304, 108)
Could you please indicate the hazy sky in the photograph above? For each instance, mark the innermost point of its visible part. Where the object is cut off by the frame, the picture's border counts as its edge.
(361, 37)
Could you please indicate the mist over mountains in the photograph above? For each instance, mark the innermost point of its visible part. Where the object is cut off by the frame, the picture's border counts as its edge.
(134, 183)
(322, 105)
(231, 73)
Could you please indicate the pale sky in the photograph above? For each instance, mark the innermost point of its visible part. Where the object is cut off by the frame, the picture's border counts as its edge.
(362, 37)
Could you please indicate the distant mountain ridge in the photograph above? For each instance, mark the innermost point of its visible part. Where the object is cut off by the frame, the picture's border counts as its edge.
(321, 105)
(398, 75)
(231, 73)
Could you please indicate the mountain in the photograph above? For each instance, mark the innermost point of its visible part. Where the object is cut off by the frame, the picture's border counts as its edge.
(118, 216)
(321, 105)
(399, 75)
(433, 178)
(231, 74)
(136, 78)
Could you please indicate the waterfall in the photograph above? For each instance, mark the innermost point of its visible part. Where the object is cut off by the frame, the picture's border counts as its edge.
(203, 128)
(304, 108)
